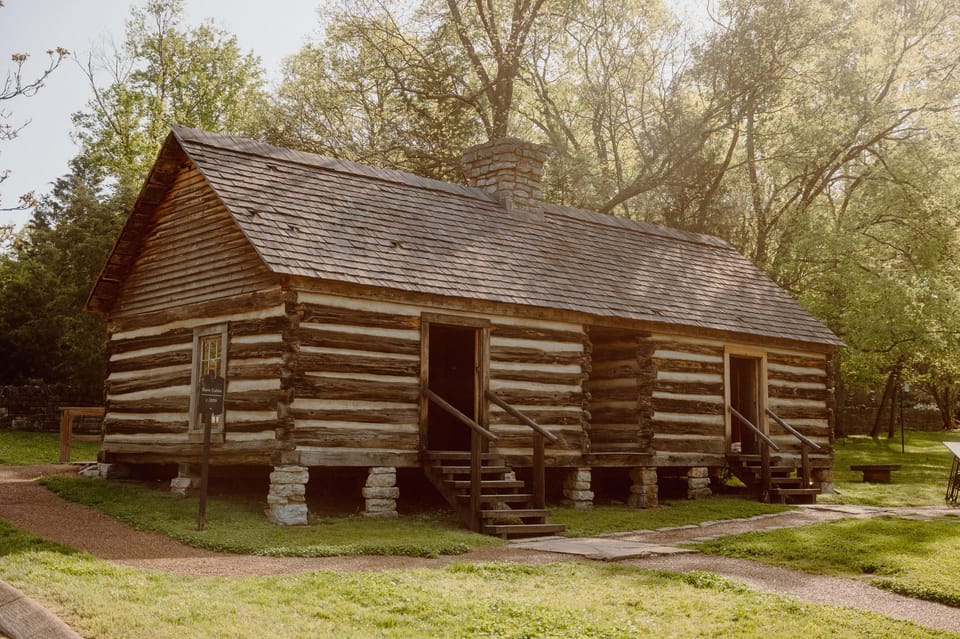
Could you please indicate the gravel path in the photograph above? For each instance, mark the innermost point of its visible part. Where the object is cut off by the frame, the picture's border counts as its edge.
(27, 505)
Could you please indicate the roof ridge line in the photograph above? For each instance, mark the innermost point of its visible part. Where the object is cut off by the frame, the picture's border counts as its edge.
(322, 162)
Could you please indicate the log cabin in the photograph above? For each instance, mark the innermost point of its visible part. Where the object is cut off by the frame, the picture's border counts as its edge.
(505, 348)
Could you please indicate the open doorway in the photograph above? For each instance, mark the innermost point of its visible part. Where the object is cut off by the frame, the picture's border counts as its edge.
(745, 398)
(453, 374)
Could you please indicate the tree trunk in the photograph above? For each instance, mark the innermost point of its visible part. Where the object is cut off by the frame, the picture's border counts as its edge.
(875, 431)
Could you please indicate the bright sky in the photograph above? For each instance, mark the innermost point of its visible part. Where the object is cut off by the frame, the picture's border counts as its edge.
(40, 154)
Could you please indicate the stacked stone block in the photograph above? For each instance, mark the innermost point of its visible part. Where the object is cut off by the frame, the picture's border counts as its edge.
(380, 492)
(510, 168)
(286, 500)
(698, 482)
(643, 490)
(576, 489)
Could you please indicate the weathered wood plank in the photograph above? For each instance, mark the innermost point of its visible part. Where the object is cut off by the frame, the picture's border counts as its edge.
(796, 360)
(357, 389)
(127, 427)
(370, 415)
(688, 347)
(345, 363)
(688, 444)
(542, 417)
(787, 376)
(254, 400)
(534, 398)
(335, 315)
(790, 392)
(511, 331)
(690, 388)
(157, 360)
(687, 366)
(687, 428)
(684, 406)
(531, 375)
(358, 437)
(354, 341)
(147, 382)
(533, 355)
(178, 404)
(176, 337)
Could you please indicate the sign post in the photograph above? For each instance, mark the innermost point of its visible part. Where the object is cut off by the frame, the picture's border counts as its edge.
(211, 403)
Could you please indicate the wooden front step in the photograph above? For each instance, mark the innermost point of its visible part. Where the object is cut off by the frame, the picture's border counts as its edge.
(505, 509)
(523, 530)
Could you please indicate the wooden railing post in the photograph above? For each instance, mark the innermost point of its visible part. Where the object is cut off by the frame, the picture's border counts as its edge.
(805, 466)
(539, 472)
(764, 472)
(476, 452)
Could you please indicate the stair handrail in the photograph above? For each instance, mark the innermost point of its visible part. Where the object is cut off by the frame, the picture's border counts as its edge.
(540, 434)
(756, 431)
(450, 408)
(805, 442)
(765, 445)
(477, 436)
(793, 431)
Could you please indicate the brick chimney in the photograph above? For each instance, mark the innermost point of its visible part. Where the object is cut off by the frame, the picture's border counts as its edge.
(512, 169)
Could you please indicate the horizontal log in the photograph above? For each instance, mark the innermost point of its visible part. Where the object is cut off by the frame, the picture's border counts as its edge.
(614, 416)
(707, 445)
(539, 398)
(252, 427)
(690, 388)
(687, 347)
(687, 428)
(177, 404)
(567, 440)
(357, 389)
(797, 377)
(255, 400)
(603, 435)
(255, 351)
(369, 416)
(151, 382)
(543, 377)
(787, 413)
(342, 363)
(359, 457)
(320, 314)
(687, 366)
(533, 355)
(265, 326)
(686, 407)
(542, 417)
(175, 337)
(355, 438)
(233, 453)
(791, 392)
(536, 333)
(618, 394)
(796, 360)
(133, 427)
(237, 370)
(353, 341)
(157, 360)
(221, 307)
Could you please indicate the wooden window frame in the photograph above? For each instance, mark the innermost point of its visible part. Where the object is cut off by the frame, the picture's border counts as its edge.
(762, 389)
(195, 429)
(482, 358)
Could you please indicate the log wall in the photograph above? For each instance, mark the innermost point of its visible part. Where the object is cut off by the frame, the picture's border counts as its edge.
(195, 269)
(800, 393)
(620, 388)
(357, 391)
(688, 419)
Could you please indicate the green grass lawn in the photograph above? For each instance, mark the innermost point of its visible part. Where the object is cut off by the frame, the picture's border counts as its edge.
(511, 601)
(26, 448)
(922, 481)
(606, 519)
(239, 527)
(911, 557)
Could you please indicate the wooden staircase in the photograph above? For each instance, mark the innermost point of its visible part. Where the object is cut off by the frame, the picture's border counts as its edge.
(506, 509)
(786, 482)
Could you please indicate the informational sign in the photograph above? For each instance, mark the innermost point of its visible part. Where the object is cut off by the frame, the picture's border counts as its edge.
(211, 395)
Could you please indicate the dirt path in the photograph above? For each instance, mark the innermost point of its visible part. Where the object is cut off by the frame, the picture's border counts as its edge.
(27, 505)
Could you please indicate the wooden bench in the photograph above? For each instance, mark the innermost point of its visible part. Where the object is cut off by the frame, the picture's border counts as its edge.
(67, 415)
(876, 473)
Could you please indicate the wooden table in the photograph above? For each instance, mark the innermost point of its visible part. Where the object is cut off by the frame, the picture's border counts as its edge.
(876, 473)
(67, 415)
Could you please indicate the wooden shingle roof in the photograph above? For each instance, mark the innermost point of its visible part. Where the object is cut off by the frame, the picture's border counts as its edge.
(316, 217)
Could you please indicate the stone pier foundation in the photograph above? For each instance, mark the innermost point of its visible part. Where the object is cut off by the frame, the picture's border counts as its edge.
(187, 479)
(698, 482)
(576, 489)
(286, 500)
(380, 492)
(643, 490)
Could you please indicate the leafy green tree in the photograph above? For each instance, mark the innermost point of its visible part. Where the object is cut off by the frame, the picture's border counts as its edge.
(164, 73)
